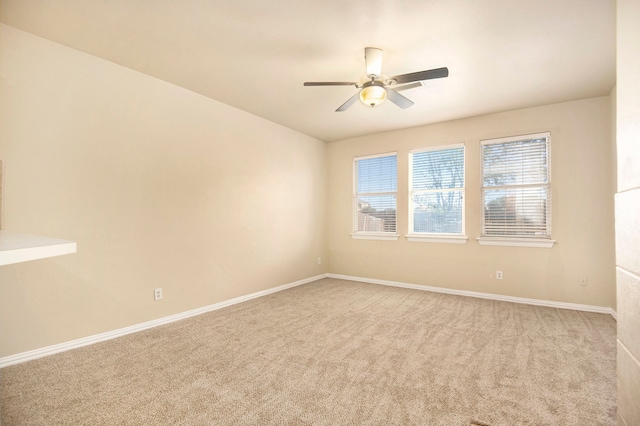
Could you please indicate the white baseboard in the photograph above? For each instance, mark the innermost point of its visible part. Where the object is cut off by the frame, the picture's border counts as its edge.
(513, 299)
(85, 341)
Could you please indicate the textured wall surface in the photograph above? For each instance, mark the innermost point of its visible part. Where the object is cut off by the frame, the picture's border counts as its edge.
(159, 186)
(628, 211)
(582, 204)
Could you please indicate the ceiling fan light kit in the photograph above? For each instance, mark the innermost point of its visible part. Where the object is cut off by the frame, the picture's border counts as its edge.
(373, 93)
(378, 88)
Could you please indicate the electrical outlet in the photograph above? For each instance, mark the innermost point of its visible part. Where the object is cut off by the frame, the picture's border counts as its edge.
(498, 275)
(157, 294)
(319, 261)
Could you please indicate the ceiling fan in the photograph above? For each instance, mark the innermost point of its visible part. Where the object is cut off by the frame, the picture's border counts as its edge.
(375, 87)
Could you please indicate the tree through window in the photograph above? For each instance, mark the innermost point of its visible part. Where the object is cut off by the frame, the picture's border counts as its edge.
(436, 191)
(516, 187)
(375, 187)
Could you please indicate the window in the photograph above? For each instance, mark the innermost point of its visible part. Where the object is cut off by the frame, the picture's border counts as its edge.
(436, 195)
(516, 191)
(375, 184)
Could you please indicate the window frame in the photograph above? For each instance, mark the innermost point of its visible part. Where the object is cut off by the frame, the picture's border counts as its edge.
(518, 240)
(368, 235)
(436, 237)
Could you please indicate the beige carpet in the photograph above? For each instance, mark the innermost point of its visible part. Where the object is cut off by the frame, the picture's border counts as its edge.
(334, 353)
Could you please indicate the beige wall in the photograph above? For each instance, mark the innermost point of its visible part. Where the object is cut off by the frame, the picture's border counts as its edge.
(628, 211)
(162, 187)
(582, 200)
(159, 186)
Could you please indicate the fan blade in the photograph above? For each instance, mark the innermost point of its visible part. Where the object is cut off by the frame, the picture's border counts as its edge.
(352, 100)
(408, 86)
(329, 83)
(421, 75)
(373, 61)
(398, 99)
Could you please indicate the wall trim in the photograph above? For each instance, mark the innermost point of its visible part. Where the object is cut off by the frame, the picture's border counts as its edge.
(85, 341)
(491, 296)
(89, 340)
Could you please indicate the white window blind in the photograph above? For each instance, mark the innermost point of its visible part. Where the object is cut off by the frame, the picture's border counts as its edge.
(375, 189)
(516, 187)
(436, 191)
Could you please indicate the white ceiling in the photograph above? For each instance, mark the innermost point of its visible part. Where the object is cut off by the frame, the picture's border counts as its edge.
(256, 54)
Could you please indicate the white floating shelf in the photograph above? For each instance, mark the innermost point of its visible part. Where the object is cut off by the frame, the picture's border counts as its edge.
(16, 248)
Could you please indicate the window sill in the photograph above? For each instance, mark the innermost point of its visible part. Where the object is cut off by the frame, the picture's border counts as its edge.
(388, 236)
(516, 242)
(432, 238)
